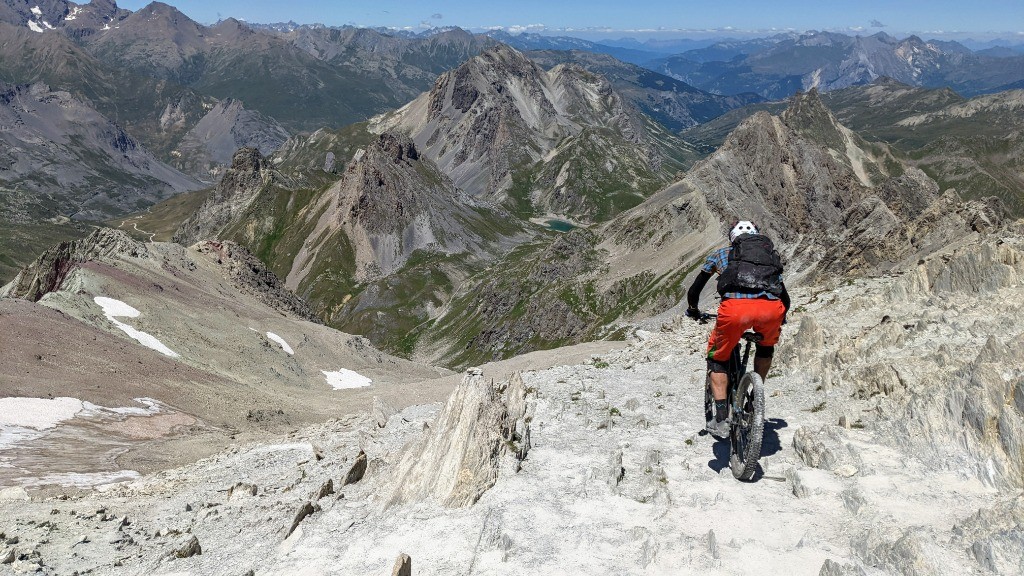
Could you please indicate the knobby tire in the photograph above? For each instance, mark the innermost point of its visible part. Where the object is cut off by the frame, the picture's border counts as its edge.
(748, 427)
(709, 402)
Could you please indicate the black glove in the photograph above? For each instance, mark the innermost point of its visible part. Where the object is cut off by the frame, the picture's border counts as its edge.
(693, 313)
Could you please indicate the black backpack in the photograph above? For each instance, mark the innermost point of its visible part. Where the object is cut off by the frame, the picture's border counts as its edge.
(754, 266)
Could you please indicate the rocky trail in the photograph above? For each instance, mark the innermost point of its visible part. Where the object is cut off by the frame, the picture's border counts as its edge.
(878, 459)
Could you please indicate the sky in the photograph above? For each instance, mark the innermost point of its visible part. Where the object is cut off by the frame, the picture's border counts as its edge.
(633, 17)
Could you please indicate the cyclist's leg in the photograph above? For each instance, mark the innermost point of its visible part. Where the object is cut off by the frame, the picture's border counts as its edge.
(763, 361)
(729, 326)
(768, 323)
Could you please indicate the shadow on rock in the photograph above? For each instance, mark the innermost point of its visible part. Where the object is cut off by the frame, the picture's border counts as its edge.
(770, 443)
(721, 451)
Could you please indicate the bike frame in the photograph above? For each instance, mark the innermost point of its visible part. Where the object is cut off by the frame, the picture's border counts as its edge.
(738, 367)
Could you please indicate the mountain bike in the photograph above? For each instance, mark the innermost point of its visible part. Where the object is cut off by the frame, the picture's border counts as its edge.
(745, 395)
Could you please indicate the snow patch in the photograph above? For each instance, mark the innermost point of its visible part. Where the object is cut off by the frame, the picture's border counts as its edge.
(34, 27)
(271, 336)
(35, 10)
(47, 24)
(74, 13)
(37, 413)
(343, 378)
(115, 308)
(151, 407)
(279, 340)
(24, 419)
(80, 479)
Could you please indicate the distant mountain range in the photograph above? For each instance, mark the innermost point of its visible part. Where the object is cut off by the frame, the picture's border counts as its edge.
(778, 66)
(193, 94)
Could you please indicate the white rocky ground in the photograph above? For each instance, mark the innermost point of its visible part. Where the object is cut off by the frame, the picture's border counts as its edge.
(924, 478)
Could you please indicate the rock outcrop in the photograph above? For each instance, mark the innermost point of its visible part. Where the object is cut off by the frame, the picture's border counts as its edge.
(237, 190)
(49, 272)
(482, 430)
(251, 276)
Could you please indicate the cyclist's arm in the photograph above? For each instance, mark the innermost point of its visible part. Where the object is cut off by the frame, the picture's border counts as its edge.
(693, 294)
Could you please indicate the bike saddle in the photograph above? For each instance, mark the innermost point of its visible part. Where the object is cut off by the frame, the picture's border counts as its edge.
(753, 336)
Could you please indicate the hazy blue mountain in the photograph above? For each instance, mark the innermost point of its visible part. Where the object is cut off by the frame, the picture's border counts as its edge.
(528, 42)
(831, 61)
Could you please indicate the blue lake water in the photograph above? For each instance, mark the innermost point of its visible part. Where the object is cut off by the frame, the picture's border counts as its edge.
(559, 225)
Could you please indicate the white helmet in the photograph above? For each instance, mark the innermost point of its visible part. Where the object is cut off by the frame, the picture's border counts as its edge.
(742, 227)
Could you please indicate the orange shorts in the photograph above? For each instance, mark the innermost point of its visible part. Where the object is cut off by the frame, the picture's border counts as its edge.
(735, 315)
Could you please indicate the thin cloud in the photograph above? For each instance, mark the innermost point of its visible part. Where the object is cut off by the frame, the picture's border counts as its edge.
(519, 29)
(436, 16)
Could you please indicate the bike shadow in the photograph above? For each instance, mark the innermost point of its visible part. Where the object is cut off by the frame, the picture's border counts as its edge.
(770, 444)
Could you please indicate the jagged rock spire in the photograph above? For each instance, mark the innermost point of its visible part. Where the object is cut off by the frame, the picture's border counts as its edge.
(459, 458)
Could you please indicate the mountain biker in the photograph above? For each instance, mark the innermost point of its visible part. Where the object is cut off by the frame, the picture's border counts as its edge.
(753, 296)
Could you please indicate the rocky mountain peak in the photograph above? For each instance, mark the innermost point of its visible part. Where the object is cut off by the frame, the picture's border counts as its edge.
(393, 146)
(501, 112)
(231, 30)
(383, 202)
(809, 116)
(241, 184)
(506, 58)
(884, 37)
(154, 34)
(247, 166)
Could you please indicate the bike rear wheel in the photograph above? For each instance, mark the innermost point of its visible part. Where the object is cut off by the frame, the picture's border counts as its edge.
(747, 426)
